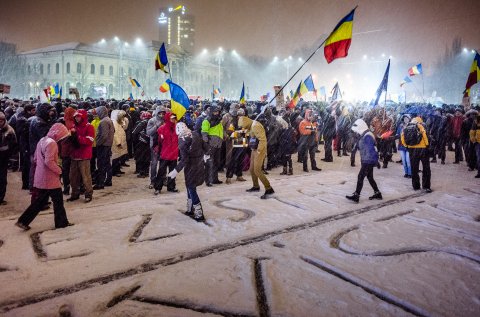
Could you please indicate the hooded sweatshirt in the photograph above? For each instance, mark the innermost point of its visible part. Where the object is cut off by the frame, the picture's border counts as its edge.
(119, 146)
(168, 140)
(85, 135)
(366, 144)
(105, 131)
(47, 171)
(256, 130)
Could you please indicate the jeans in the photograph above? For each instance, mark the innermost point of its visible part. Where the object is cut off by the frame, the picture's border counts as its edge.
(417, 156)
(104, 172)
(407, 168)
(366, 171)
(32, 211)
(192, 194)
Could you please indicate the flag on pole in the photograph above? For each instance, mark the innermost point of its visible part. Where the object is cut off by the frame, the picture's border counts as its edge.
(415, 70)
(217, 91)
(134, 82)
(130, 97)
(143, 93)
(57, 89)
(44, 95)
(165, 87)
(309, 83)
(303, 89)
(473, 76)
(336, 92)
(52, 91)
(179, 100)
(322, 91)
(161, 59)
(338, 42)
(60, 93)
(242, 94)
(405, 80)
(383, 85)
(296, 97)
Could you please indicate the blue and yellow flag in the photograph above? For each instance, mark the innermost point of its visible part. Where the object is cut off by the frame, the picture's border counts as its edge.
(161, 59)
(134, 82)
(242, 94)
(179, 99)
(130, 97)
(309, 83)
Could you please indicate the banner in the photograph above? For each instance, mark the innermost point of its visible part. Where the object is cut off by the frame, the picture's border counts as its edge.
(280, 99)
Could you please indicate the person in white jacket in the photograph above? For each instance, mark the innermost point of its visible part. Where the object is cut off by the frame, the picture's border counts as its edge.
(119, 146)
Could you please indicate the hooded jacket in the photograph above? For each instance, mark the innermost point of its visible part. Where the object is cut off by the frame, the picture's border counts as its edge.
(308, 130)
(153, 124)
(47, 170)
(39, 125)
(366, 144)
(255, 130)
(168, 140)
(119, 146)
(84, 135)
(105, 130)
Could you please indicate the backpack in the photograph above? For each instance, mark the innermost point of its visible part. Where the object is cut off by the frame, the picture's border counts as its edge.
(412, 134)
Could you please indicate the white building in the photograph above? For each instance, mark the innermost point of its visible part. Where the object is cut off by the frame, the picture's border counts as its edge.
(103, 70)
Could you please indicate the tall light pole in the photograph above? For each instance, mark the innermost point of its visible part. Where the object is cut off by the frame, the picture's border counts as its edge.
(219, 60)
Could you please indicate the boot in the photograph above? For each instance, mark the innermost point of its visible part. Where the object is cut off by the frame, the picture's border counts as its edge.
(228, 181)
(241, 179)
(284, 172)
(316, 169)
(189, 211)
(354, 197)
(66, 190)
(290, 171)
(198, 213)
(268, 192)
(253, 189)
(376, 195)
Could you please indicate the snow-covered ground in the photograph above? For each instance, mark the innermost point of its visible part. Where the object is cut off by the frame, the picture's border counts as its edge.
(305, 252)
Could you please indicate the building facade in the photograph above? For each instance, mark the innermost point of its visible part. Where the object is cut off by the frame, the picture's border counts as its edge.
(104, 70)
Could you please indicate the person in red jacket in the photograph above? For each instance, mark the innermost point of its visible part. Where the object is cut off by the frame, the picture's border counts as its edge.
(83, 136)
(457, 122)
(168, 144)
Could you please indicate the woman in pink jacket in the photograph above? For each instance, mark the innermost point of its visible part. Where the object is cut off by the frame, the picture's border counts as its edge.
(47, 179)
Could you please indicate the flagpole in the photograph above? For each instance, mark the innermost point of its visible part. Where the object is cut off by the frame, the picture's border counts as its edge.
(169, 71)
(423, 88)
(306, 61)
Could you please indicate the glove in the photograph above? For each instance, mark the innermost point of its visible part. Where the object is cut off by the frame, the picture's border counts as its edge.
(173, 174)
(206, 158)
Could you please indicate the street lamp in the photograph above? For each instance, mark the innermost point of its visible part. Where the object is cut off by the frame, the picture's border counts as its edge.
(219, 59)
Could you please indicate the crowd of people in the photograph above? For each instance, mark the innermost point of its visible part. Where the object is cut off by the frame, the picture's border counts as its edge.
(76, 147)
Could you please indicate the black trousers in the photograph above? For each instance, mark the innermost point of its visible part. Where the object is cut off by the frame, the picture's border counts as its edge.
(66, 162)
(234, 166)
(458, 150)
(417, 156)
(32, 211)
(309, 150)
(366, 171)
(25, 168)
(162, 173)
(3, 177)
(440, 149)
(328, 149)
(287, 160)
(104, 166)
(211, 166)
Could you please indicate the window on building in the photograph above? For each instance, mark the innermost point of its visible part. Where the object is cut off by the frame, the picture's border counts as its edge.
(136, 73)
(129, 71)
(79, 68)
(29, 69)
(48, 69)
(57, 68)
(102, 70)
(41, 69)
(68, 68)
(110, 70)
(92, 69)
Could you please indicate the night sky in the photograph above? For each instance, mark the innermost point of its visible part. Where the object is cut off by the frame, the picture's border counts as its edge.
(410, 30)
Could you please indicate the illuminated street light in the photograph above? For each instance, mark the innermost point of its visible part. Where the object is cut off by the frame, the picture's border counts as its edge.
(275, 58)
(220, 49)
(138, 41)
(383, 55)
(102, 41)
(465, 49)
(126, 44)
(300, 59)
(473, 51)
(290, 57)
(365, 56)
(116, 39)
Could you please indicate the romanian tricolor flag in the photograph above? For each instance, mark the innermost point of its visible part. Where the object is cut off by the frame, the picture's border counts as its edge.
(165, 87)
(242, 94)
(296, 97)
(217, 91)
(338, 43)
(161, 59)
(473, 76)
(405, 80)
(134, 82)
(415, 70)
(179, 100)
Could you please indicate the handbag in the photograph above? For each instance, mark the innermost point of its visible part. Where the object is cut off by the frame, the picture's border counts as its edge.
(253, 143)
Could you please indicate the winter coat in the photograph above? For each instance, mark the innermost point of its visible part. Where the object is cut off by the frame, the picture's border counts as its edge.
(366, 143)
(256, 130)
(47, 170)
(8, 140)
(329, 127)
(22, 132)
(398, 135)
(119, 146)
(212, 131)
(106, 129)
(192, 150)
(83, 137)
(308, 131)
(168, 140)
(475, 132)
(457, 126)
(153, 124)
(465, 131)
(424, 142)
(142, 144)
(39, 126)
(199, 122)
(288, 144)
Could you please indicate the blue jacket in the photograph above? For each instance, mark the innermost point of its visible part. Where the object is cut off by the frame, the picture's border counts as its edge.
(366, 146)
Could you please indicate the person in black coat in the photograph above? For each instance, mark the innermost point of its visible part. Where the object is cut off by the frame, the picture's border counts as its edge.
(192, 151)
(141, 142)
